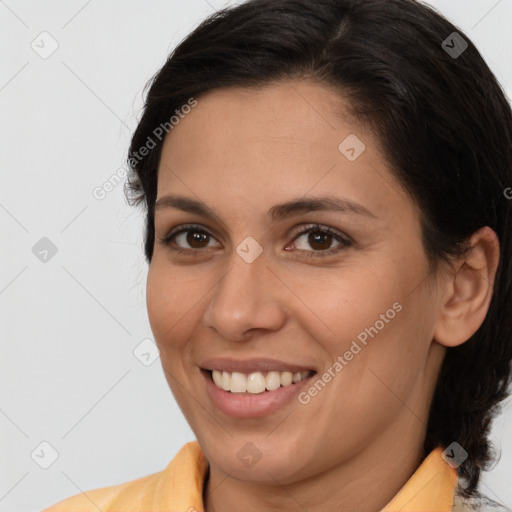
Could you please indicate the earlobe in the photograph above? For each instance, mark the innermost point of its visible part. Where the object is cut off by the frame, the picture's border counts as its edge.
(469, 290)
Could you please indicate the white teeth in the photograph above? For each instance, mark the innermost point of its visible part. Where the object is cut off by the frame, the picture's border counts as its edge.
(238, 383)
(255, 382)
(226, 377)
(286, 378)
(217, 378)
(273, 381)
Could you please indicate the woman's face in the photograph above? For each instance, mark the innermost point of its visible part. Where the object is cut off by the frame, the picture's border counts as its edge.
(352, 304)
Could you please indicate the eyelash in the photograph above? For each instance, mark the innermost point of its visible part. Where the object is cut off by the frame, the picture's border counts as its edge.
(312, 228)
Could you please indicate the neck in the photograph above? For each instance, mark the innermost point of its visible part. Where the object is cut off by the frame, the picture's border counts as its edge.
(349, 486)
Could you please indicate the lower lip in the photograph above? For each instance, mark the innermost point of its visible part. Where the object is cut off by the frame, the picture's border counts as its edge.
(252, 405)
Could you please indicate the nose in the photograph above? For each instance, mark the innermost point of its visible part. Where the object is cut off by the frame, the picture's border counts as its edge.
(248, 299)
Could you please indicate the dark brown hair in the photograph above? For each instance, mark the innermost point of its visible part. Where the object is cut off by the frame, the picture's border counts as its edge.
(445, 127)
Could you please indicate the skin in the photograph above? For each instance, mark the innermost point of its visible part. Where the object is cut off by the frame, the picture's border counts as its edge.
(242, 151)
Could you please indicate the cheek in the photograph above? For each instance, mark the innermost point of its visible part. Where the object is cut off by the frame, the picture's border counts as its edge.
(386, 353)
(166, 305)
(156, 302)
(375, 323)
(338, 304)
(174, 300)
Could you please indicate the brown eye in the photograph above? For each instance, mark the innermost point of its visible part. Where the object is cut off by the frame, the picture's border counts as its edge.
(188, 238)
(196, 239)
(320, 240)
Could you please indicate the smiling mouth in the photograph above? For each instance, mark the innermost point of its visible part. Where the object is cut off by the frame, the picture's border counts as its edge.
(256, 382)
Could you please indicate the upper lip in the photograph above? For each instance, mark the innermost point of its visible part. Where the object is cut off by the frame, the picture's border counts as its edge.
(260, 364)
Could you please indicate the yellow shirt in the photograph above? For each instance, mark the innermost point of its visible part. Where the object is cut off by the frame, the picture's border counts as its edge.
(179, 488)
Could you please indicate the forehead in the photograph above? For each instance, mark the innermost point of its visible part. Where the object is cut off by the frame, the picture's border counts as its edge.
(277, 116)
(285, 138)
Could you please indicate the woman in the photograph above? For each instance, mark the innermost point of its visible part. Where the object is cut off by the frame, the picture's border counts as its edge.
(328, 234)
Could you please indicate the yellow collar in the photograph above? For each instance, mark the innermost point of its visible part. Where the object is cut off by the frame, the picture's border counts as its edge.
(430, 488)
(179, 487)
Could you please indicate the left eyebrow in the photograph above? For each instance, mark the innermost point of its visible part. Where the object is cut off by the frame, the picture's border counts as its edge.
(324, 203)
(276, 213)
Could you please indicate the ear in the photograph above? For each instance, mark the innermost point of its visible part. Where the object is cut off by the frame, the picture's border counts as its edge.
(468, 290)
